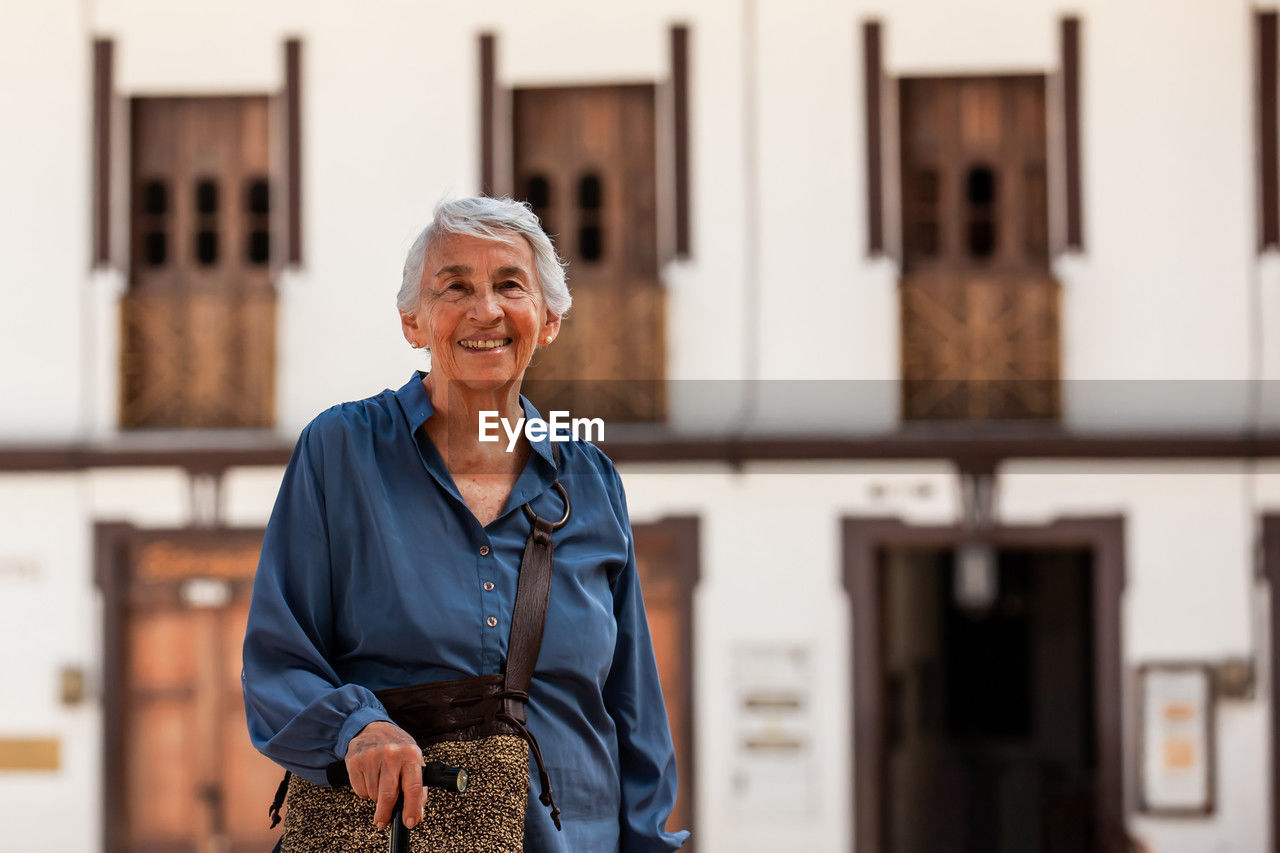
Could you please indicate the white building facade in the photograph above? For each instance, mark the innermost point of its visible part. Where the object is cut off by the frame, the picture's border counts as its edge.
(890, 282)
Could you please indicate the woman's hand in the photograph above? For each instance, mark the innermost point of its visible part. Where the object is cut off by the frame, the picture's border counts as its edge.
(381, 760)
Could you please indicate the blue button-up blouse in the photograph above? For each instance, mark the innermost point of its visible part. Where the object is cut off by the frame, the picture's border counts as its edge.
(374, 573)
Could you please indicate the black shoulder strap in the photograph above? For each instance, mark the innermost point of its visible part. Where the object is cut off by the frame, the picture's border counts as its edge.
(533, 590)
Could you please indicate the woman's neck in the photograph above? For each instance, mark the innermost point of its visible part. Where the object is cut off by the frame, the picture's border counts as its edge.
(454, 426)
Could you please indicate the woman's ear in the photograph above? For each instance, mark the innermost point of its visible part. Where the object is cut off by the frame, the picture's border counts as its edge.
(412, 332)
(550, 329)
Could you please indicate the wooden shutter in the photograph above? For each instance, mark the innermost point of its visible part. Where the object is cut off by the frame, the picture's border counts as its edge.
(980, 326)
(198, 337)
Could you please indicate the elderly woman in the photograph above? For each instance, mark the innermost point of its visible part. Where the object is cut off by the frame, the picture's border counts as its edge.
(393, 556)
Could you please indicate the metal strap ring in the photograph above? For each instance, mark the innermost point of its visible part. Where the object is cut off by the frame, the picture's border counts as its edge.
(568, 508)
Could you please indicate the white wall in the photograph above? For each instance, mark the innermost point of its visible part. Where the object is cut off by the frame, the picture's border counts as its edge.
(44, 218)
(1162, 291)
(49, 621)
(52, 619)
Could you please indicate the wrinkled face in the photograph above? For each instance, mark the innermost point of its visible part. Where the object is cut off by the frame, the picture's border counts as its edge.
(481, 311)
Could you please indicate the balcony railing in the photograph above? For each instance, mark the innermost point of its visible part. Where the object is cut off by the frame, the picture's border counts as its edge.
(980, 346)
(197, 359)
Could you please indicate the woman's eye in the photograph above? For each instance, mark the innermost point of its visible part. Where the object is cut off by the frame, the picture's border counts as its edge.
(510, 284)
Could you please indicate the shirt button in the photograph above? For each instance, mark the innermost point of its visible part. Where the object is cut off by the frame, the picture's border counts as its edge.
(488, 586)
(484, 550)
(492, 622)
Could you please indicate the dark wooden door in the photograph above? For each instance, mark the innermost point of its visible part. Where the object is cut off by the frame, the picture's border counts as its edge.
(198, 336)
(667, 557)
(584, 160)
(980, 317)
(191, 779)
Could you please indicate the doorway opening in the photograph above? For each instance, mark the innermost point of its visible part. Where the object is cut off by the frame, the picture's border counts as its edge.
(987, 708)
(989, 736)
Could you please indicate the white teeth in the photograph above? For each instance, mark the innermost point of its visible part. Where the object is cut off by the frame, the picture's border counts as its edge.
(485, 344)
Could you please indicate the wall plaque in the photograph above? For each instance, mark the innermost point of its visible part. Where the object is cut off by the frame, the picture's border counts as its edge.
(29, 753)
(1176, 738)
(774, 772)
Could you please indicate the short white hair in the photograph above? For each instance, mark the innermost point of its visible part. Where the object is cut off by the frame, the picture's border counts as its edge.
(489, 219)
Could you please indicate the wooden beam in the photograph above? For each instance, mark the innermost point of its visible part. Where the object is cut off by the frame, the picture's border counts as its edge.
(103, 86)
(873, 82)
(1268, 150)
(680, 129)
(1071, 129)
(293, 134)
(488, 99)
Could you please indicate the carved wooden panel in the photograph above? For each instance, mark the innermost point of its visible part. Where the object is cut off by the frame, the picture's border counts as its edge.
(584, 160)
(980, 346)
(198, 322)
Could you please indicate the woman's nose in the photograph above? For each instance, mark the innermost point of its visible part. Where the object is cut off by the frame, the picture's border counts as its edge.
(485, 306)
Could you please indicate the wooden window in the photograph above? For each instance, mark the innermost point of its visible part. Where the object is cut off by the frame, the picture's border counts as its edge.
(198, 334)
(584, 160)
(974, 152)
(979, 307)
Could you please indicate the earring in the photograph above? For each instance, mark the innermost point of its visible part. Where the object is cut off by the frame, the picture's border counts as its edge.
(413, 344)
(546, 342)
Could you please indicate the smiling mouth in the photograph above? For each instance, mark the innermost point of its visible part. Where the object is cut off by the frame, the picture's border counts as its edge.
(484, 345)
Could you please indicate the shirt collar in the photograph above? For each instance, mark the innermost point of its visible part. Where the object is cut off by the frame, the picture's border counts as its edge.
(417, 408)
(414, 401)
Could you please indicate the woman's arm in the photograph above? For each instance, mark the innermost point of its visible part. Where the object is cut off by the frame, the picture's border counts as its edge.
(633, 696)
(300, 714)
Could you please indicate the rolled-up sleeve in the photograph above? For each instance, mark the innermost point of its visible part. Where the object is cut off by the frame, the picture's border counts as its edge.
(299, 712)
(633, 696)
